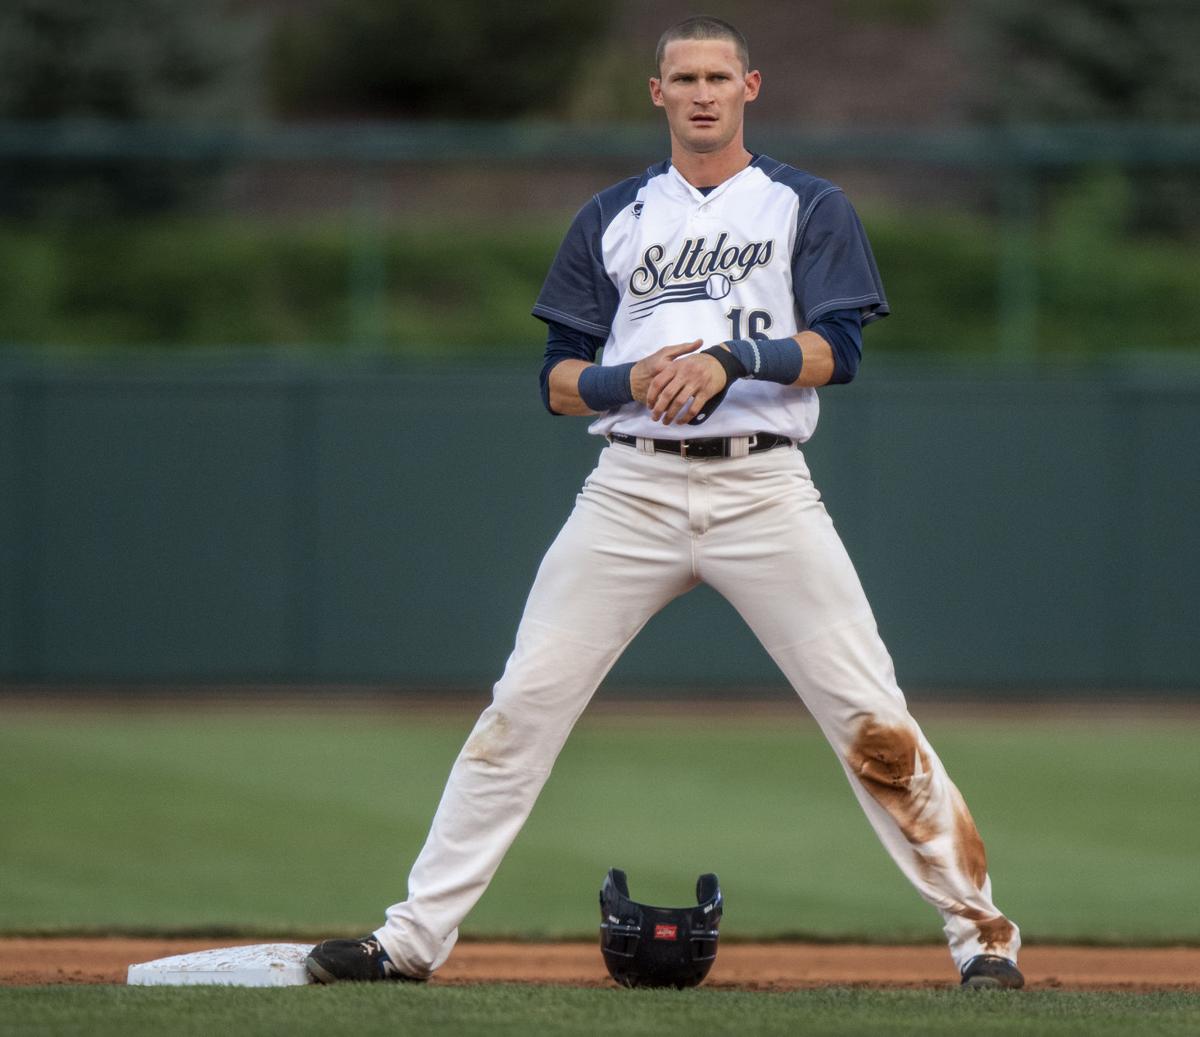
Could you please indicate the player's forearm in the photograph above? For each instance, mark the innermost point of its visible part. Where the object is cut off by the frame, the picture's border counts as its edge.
(818, 360)
(564, 388)
(563, 381)
(775, 360)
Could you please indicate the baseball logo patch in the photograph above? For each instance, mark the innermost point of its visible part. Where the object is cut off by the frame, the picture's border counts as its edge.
(717, 286)
(666, 932)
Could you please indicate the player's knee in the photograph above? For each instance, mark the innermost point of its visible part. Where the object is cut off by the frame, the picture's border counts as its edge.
(491, 737)
(888, 748)
(511, 738)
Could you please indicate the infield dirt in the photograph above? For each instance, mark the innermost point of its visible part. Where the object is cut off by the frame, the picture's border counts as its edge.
(744, 966)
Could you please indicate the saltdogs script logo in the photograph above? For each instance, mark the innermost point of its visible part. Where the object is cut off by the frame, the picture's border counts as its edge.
(695, 272)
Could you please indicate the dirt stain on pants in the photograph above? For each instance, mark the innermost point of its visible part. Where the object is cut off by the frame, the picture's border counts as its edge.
(488, 739)
(895, 768)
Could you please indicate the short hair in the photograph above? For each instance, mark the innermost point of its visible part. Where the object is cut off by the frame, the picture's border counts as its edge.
(703, 27)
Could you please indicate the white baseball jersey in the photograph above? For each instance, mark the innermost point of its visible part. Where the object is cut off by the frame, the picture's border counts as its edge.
(653, 261)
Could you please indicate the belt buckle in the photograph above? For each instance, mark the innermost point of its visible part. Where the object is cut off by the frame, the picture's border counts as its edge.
(683, 444)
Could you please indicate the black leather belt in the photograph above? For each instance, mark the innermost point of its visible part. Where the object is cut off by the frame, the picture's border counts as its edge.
(714, 446)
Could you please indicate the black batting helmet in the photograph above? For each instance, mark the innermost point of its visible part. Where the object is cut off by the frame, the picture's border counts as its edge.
(658, 946)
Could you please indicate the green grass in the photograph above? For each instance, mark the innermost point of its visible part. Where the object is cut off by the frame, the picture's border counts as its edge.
(523, 1010)
(453, 288)
(199, 282)
(283, 821)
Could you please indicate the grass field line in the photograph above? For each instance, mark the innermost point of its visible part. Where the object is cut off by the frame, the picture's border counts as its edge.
(500, 1009)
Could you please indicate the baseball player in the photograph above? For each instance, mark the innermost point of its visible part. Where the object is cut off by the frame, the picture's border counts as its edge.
(723, 287)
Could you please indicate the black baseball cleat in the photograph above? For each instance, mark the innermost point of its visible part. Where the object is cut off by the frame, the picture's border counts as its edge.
(353, 961)
(990, 971)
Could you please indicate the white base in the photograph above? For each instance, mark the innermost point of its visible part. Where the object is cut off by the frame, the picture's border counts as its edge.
(262, 965)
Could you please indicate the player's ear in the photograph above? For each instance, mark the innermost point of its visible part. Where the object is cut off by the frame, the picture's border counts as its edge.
(656, 91)
(753, 84)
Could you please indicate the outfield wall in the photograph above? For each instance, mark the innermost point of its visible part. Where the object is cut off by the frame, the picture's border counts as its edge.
(253, 519)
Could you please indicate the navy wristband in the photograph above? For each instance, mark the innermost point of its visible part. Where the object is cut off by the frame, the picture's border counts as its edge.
(603, 388)
(769, 359)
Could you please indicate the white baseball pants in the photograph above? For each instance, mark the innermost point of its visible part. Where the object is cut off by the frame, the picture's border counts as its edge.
(646, 528)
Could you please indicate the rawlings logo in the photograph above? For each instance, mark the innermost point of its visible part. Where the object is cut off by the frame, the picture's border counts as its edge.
(666, 932)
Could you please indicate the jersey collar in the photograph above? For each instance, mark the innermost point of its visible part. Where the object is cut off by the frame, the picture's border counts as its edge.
(698, 196)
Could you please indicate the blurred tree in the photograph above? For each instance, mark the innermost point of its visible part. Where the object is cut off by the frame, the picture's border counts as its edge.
(449, 59)
(155, 60)
(1097, 61)
(1090, 60)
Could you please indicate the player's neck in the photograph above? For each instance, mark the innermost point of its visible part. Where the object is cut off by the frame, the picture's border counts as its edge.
(710, 170)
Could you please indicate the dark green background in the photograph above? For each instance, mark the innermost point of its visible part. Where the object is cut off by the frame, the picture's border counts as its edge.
(246, 519)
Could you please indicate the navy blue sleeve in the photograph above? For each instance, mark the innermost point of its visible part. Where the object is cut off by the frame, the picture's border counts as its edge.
(565, 343)
(832, 266)
(578, 291)
(842, 329)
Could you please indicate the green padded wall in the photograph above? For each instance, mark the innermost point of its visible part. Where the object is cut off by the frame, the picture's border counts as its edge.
(325, 521)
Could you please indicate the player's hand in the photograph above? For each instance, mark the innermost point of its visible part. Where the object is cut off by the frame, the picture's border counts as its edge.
(680, 391)
(648, 368)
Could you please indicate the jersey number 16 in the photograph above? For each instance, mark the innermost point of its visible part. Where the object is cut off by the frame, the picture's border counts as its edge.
(757, 322)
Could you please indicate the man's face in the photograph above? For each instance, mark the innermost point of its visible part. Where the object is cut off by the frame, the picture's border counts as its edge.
(704, 90)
